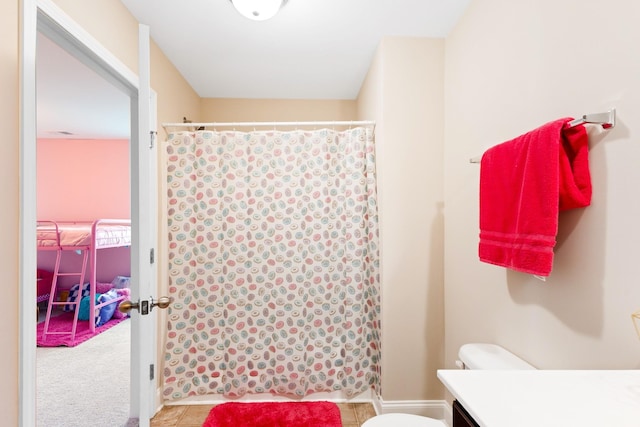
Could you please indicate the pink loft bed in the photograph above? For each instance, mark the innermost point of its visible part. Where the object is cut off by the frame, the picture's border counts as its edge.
(85, 238)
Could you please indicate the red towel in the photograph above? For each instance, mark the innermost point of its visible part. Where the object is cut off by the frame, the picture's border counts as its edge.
(524, 184)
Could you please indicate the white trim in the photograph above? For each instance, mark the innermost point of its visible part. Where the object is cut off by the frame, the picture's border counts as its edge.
(448, 413)
(59, 27)
(377, 404)
(143, 327)
(27, 226)
(214, 399)
(436, 409)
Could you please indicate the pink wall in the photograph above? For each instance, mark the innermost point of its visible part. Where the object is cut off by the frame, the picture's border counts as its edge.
(83, 180)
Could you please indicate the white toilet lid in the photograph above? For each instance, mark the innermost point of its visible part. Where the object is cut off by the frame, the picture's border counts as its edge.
(403, 420)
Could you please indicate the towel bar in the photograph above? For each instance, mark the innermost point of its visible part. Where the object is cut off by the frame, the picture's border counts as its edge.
(607, 120)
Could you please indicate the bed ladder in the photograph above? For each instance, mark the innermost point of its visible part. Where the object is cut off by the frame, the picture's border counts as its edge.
(52, 297)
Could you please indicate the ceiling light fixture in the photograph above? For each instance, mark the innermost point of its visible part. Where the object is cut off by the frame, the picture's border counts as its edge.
(258, 10)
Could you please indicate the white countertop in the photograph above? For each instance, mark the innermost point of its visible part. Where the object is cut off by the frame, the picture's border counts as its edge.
(546, 398)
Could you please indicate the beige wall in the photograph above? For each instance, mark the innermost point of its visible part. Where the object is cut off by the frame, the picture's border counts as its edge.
(404, 93)
(510, 67)
(370, 100)
(10, 216)
(270, 110)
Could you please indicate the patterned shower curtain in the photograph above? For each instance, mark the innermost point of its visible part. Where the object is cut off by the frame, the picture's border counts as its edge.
(273, 258)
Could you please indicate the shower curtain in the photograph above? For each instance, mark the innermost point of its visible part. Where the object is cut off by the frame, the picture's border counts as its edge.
(273, 263)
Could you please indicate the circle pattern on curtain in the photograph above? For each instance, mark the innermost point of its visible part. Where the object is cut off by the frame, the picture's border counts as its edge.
(273, 258)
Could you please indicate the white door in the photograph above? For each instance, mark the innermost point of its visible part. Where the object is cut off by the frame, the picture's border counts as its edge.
(143, 202)
(45, 16)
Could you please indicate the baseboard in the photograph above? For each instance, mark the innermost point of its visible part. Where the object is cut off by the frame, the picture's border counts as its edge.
(158, 403)
(213, 399)
(437, 409)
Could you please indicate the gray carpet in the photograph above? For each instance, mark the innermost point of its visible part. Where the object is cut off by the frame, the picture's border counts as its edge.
(87, 385)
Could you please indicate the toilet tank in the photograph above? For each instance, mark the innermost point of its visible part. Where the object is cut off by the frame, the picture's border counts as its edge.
(490, 356)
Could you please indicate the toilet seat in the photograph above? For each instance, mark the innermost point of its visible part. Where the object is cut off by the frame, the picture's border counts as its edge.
(404, 420)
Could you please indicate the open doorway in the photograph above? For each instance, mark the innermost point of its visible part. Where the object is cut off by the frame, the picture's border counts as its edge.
(46, 17)
(83, 129)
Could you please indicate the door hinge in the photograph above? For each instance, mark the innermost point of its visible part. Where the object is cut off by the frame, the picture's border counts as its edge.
(152, 256)
(152, 138)
(151, 372)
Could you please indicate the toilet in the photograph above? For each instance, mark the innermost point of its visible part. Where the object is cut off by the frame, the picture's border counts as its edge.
(472, 356)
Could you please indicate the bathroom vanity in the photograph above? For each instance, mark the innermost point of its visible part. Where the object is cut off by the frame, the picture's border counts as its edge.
(535, 398)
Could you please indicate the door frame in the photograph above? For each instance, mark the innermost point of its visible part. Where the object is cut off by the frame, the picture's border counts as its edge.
(45, 16)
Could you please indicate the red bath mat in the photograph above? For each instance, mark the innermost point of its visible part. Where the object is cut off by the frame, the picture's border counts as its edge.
(274, 414)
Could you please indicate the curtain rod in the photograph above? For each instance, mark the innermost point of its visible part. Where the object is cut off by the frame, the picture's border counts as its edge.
(271, 124)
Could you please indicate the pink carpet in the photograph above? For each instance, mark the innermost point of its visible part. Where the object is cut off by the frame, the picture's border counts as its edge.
(274, 414)
(64, 323)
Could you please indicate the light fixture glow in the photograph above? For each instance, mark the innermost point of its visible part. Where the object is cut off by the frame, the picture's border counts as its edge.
(258, 10)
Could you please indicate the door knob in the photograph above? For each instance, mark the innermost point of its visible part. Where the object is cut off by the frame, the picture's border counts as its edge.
(144, 307)
(126, 306)
(163, 302)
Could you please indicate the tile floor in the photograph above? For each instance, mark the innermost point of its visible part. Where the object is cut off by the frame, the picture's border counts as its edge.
(353, 415)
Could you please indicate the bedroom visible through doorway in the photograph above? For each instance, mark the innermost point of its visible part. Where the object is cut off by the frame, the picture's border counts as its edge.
(83, 174)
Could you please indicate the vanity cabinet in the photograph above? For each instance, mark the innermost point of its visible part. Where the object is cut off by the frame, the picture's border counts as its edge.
(461, 417)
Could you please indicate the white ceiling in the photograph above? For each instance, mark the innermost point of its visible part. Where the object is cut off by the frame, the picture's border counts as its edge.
(313, 49)
(73, 101)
